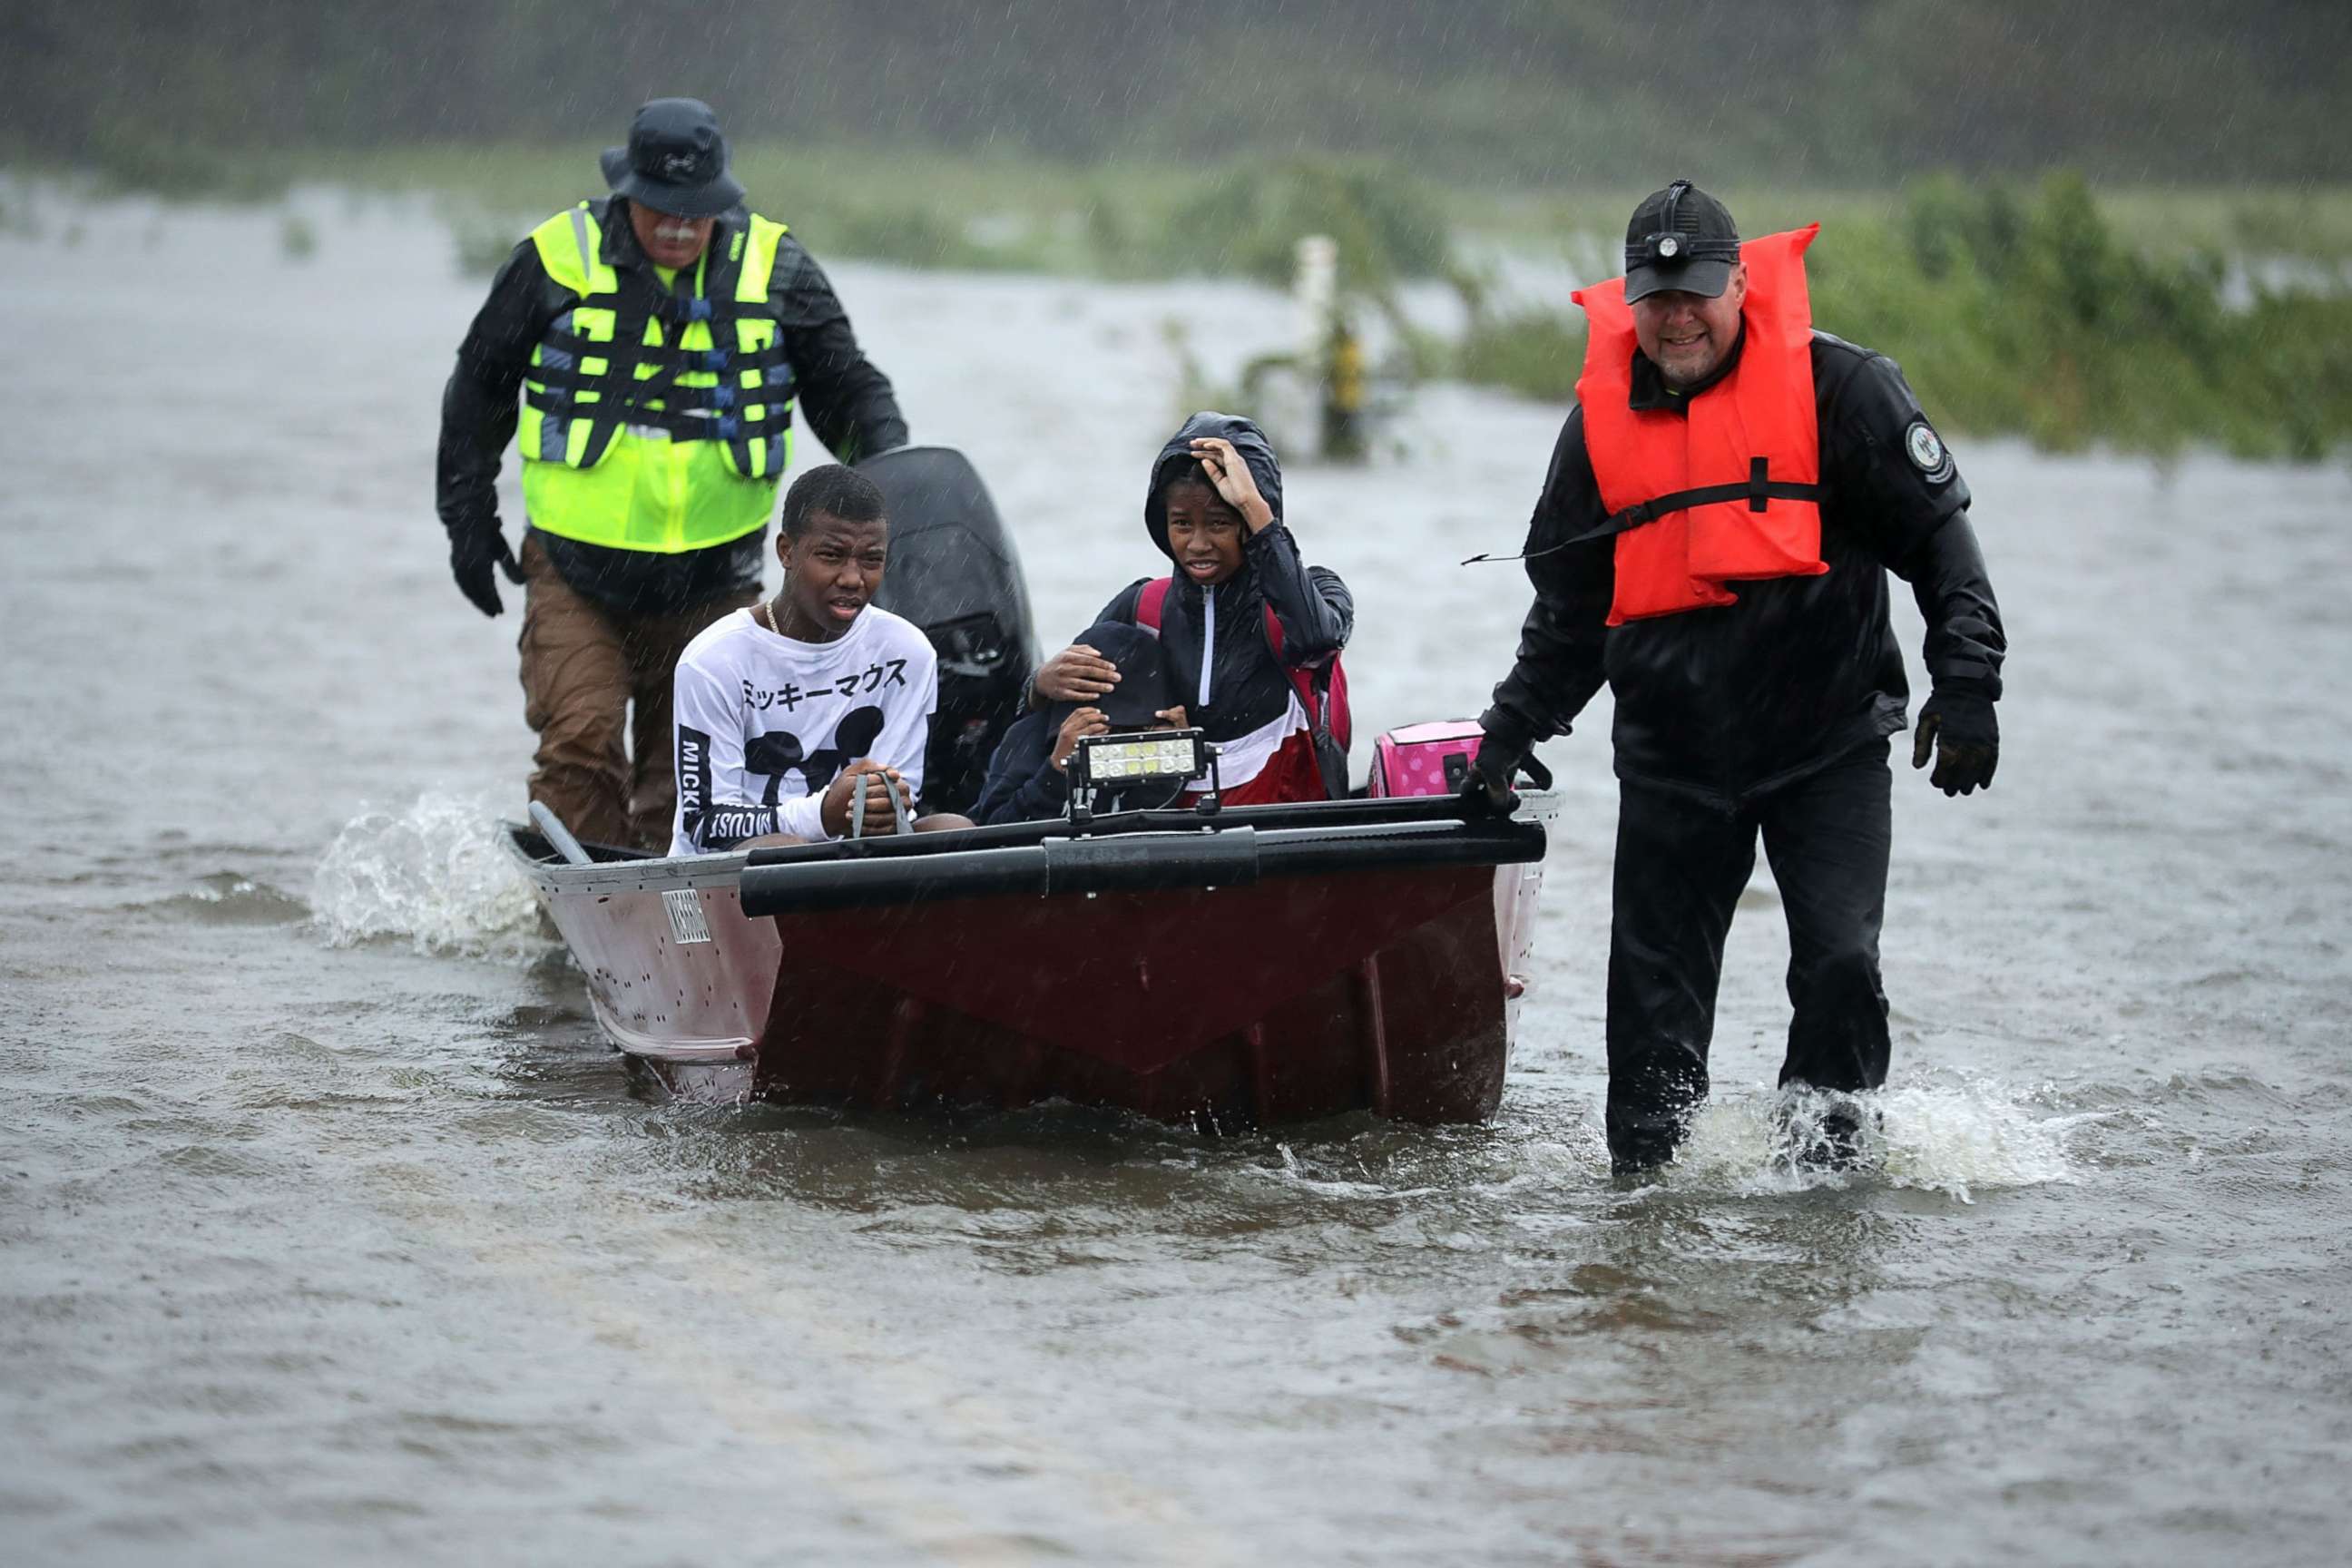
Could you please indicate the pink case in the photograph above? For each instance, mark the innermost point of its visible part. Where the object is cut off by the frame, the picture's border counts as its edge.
(1420, 758)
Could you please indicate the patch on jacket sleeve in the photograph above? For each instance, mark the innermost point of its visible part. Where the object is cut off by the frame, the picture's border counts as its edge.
(1927, 452)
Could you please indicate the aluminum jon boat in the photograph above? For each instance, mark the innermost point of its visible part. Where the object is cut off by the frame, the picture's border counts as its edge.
(1253, 967)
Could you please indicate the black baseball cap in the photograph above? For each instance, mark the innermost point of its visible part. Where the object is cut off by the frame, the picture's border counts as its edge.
(1680, 238)
(675, 161)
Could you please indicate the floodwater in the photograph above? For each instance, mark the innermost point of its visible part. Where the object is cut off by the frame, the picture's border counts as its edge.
(330, 1230)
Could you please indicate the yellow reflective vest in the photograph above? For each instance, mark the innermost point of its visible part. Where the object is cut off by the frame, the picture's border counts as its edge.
(656, 420)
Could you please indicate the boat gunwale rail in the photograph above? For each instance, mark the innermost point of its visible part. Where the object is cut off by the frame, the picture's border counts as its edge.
(1134, 862)
(1332, 822)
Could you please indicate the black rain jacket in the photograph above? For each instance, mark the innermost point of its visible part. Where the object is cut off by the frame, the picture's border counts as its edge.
(846, 400)
(1731, 700)
(1247, 687)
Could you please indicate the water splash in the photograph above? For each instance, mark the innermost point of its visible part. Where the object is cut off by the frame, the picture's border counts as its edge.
(1949, 1133)
(435, 873)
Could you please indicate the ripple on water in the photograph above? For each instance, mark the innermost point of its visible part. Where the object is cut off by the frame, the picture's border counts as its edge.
(100, 1106)
(230, 899)
(228, 1167)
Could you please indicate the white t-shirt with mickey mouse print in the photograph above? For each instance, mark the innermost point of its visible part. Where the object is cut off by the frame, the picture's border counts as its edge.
(765, 722)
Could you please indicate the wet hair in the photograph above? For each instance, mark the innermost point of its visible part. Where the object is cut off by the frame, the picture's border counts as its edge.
(835, 490)
(1182, 471)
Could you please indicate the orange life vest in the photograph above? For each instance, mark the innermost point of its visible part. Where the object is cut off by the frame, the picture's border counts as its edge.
(1728, 488)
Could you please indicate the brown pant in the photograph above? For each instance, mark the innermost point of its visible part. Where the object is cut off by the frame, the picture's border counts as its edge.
(606, 771)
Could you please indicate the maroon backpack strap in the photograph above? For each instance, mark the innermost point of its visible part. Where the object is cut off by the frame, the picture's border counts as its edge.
(1323, 693)
(1301, 681)
(1153, 599)
(1324, 696)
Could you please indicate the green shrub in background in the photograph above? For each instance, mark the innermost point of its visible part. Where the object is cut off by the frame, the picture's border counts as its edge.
(1250, 216)
(1535, 353)
(2036, 320)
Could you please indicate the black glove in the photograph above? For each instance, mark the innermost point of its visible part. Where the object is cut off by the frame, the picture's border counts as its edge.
(1958, 726)
(1488, 787)
(473, 549)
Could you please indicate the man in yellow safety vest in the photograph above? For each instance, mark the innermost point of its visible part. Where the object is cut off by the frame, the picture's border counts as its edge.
(657, 340)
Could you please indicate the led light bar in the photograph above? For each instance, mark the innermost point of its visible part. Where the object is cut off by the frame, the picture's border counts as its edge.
(1152, 754)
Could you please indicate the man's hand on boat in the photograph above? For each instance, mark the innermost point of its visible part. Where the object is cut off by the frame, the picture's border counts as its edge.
(1076, 674)
(1489, 784)
(878, 781)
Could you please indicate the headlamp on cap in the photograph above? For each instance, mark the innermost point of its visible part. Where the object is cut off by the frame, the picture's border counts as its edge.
(1670, 246)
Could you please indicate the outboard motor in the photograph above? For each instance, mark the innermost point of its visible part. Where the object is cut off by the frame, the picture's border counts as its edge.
(954, 573)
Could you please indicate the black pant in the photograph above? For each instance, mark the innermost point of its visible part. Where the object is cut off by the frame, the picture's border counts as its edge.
(1681, 863)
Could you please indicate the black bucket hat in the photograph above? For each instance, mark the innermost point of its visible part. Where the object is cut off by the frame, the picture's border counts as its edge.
(675, 161)
(1680, 238)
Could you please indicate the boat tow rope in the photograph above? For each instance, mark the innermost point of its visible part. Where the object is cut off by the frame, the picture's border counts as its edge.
(1757, 492)
(898, 812)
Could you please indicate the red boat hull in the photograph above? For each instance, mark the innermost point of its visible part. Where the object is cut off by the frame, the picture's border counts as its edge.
(1200, 1012)
(1288, 1000)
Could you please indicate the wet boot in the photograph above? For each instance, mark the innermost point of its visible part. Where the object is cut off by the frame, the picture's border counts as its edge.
(1836, 1143)
(1844, 1135)
(1632, 1166)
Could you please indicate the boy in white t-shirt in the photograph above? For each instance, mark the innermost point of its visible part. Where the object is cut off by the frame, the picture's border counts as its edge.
(785, 711)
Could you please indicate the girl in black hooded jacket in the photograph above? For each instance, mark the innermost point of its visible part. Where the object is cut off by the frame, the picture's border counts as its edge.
(1214, 508)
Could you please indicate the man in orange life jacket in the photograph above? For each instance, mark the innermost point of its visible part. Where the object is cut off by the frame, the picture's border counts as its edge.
(1713, 540)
